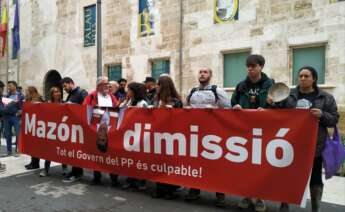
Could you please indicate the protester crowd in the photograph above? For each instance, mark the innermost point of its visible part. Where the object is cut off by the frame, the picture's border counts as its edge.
(251, 93)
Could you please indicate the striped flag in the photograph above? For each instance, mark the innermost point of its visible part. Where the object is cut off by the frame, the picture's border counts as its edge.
(3, 28)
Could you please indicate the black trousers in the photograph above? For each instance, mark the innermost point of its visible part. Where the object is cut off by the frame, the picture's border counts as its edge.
(98, 175)
(35, 161)
(77, 172)
(197, 192)
(164, 188)
(47, 165)
(316, 173)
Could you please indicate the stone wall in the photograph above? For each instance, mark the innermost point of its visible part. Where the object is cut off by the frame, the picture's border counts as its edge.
(52, 38)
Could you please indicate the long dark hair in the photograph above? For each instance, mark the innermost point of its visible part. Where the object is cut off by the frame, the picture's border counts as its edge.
(167, 90)
(313, 72)
(139, 92)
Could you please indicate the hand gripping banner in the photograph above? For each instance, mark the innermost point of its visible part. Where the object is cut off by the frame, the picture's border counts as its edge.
(264, 154)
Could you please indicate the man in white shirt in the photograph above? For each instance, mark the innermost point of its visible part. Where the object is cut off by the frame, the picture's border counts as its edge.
(207, 96)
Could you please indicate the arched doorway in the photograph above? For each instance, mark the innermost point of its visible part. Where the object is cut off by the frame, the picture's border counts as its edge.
(51, 79)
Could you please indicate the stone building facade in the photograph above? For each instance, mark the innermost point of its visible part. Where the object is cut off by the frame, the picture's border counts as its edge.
(185, 33)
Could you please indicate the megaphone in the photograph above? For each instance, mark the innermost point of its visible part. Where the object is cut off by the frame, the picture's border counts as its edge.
(278, 92)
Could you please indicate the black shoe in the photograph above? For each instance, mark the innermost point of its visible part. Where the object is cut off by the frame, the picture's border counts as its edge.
(192, 195)
(32, 167)
(28, 165)
(284, 207)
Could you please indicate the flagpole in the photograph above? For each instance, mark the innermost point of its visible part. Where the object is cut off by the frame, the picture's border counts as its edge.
(7, 43)
(18, 50)
(99, 38)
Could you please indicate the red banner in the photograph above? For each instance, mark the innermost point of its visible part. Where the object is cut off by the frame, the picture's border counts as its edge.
(264, 154)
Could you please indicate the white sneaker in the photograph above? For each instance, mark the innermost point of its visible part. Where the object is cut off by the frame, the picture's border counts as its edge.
(71, 179)
(260, 206)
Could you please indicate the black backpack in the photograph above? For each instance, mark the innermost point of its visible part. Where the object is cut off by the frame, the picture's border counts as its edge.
(213, 89)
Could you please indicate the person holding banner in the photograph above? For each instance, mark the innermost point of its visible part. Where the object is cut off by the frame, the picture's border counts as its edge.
(32, 96)
(207, 96)
(135, 98)
(55, 97)
(166, 97)
(252, 94)
(102, 99)
(322, 105)
(76, 95)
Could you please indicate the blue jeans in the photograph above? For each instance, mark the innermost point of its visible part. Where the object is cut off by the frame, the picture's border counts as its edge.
(9, 122)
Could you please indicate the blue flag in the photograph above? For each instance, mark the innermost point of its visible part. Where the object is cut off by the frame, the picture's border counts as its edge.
(15, 31)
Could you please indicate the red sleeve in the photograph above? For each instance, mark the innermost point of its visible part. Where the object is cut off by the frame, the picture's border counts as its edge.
(87, 100)
(116, 102)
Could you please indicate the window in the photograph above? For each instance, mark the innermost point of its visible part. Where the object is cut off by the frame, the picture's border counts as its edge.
(114, 72)
(235, 69)
(160, 67)
(312, 56)
(226, 10)
(147, 14)
(89, 25)
(335, 1)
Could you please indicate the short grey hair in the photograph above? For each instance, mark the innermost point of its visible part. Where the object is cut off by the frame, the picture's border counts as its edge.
(113, 83)
(208, 69)
(102, 79)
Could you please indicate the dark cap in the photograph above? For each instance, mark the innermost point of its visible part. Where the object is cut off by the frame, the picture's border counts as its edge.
(2, 85)
(150, 79)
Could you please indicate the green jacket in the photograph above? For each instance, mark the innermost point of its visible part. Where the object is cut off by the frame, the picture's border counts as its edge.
(241, 94)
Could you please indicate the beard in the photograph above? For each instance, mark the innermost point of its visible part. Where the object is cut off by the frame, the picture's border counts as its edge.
(204, 80)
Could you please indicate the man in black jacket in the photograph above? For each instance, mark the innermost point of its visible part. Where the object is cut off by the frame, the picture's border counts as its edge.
(76, 95)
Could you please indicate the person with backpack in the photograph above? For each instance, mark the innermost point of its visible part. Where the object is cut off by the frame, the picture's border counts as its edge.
(252, 93)
(207, 95)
